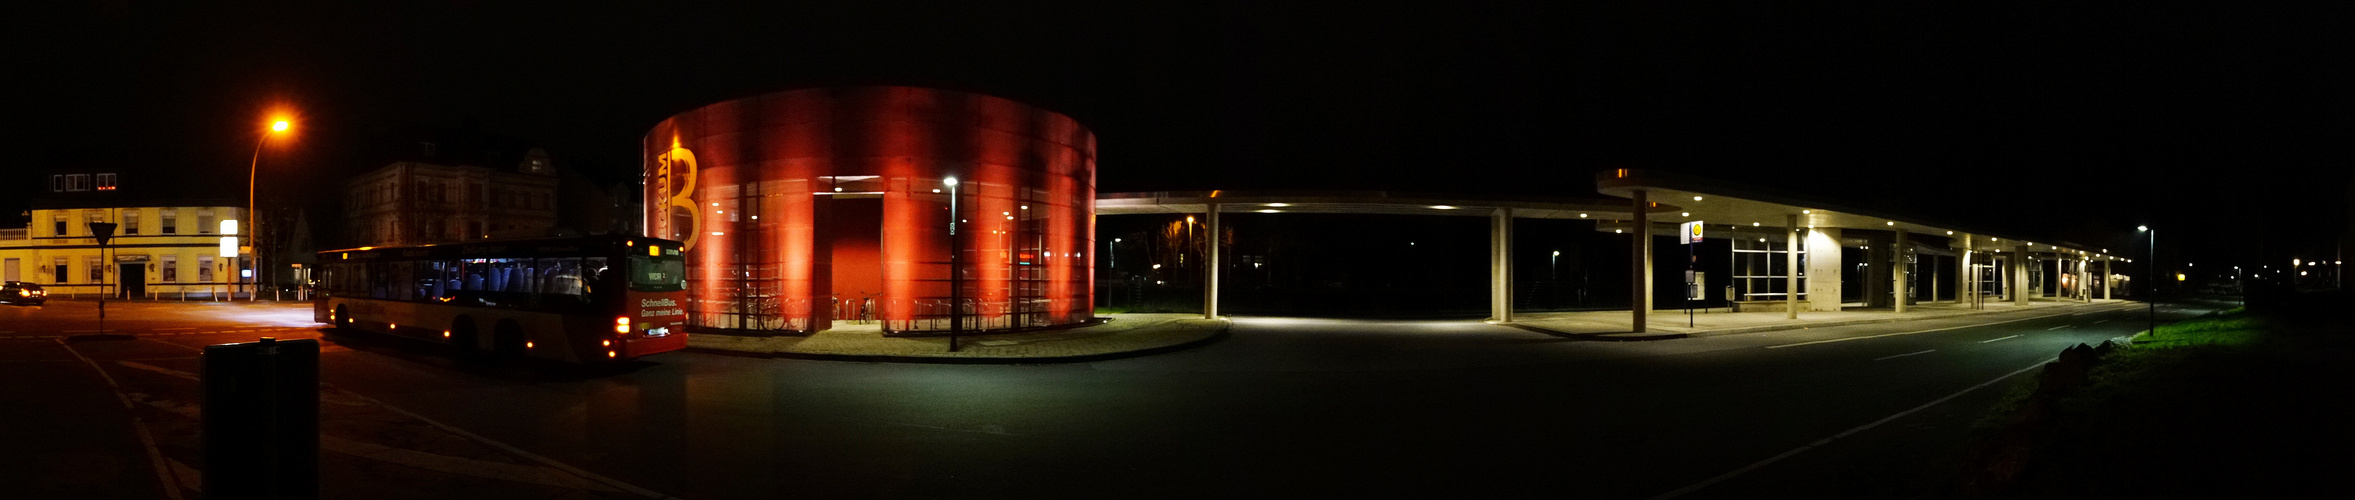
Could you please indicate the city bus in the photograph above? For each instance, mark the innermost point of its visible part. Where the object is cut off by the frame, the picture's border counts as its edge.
(585, 299)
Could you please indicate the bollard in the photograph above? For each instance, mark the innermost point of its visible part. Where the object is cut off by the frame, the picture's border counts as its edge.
(261, 419)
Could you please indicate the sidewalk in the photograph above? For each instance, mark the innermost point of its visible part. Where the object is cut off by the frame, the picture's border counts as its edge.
(1665, 324)
(1122, 335)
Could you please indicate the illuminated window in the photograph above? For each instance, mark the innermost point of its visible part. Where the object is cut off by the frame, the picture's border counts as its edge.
(1758, 269)
(105, 182)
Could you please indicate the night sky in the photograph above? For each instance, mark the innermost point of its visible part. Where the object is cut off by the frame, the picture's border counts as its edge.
(2222, 123)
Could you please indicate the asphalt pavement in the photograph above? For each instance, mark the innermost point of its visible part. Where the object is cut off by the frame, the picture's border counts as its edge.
(1281, 406)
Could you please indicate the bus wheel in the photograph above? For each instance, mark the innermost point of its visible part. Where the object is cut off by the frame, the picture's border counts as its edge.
(508, 340)
(463, 338)
(343, 318)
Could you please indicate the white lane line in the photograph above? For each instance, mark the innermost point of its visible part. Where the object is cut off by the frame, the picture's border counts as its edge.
(547, 476)
(1794, 451)
(617, 484)
(146, 439)
(159, 369)
(1845, 339)
(1999, 338)
(175, 329)
(2058, 327)
(1904, 355)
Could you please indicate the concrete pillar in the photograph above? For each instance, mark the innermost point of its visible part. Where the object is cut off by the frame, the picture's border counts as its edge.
(1210, 279)
(1966, 289)
(1791, 267)
(2107, 280)
(1898, 270)
(1640, 287)
(2019, 267)
(1823, 269)
(1500, 266)
(2085, 276)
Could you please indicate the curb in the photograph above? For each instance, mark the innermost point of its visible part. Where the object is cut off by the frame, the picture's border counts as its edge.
(1632, 337)
(1604, 337)
(1221, 334)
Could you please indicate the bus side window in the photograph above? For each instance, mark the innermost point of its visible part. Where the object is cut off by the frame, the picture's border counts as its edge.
(429, 274)
(593, 274)
(449, 278)
(560, 276)
(474, 275)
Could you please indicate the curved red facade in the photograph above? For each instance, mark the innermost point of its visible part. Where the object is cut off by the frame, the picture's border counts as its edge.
(807, 207)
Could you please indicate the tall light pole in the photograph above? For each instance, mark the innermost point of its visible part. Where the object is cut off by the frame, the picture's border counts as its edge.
(2150, 262)
(1113, 252)
(956, 269)
(255, 224)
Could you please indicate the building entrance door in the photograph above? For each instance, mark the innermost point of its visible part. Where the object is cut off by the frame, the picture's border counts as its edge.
(132, 280)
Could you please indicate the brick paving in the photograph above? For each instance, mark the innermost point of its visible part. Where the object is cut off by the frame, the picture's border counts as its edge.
(1121, 334)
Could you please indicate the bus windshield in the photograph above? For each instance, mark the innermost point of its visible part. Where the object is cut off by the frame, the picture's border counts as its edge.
(658, 274)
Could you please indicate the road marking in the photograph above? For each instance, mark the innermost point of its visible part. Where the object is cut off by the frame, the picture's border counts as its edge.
(517, 451)
(2058, 327)
(1845, 339)
(89, 331)
(548, 476)
(1999, 338)
(1904, 355)
(146, 439)
(173, 329)
(1818, 443)
(159, 369)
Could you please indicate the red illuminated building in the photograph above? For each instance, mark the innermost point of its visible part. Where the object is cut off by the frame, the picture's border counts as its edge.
(807, 207)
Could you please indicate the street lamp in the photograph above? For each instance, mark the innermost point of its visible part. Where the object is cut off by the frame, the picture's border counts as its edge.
(956, 271)
(1554, 265)
(252, 168)
(2151, 255)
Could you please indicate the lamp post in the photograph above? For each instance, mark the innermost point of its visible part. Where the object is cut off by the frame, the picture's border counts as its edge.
(255, 224)
(956, 269)
(2151, 261)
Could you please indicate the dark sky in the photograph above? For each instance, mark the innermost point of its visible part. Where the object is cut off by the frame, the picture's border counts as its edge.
(2069, 121)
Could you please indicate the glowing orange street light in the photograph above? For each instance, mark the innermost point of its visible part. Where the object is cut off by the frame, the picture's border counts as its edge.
(251, 168)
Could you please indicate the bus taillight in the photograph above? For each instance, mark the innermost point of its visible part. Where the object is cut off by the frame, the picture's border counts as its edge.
(608, 342)
(527, 344)
(621, 324)
(611, 354)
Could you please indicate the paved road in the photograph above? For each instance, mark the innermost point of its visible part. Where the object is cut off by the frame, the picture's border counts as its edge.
(1282, 406)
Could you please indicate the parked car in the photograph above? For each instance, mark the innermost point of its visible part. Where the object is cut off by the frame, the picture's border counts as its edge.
(18, 292)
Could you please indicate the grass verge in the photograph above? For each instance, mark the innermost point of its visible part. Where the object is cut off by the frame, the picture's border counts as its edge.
(2239, 404)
